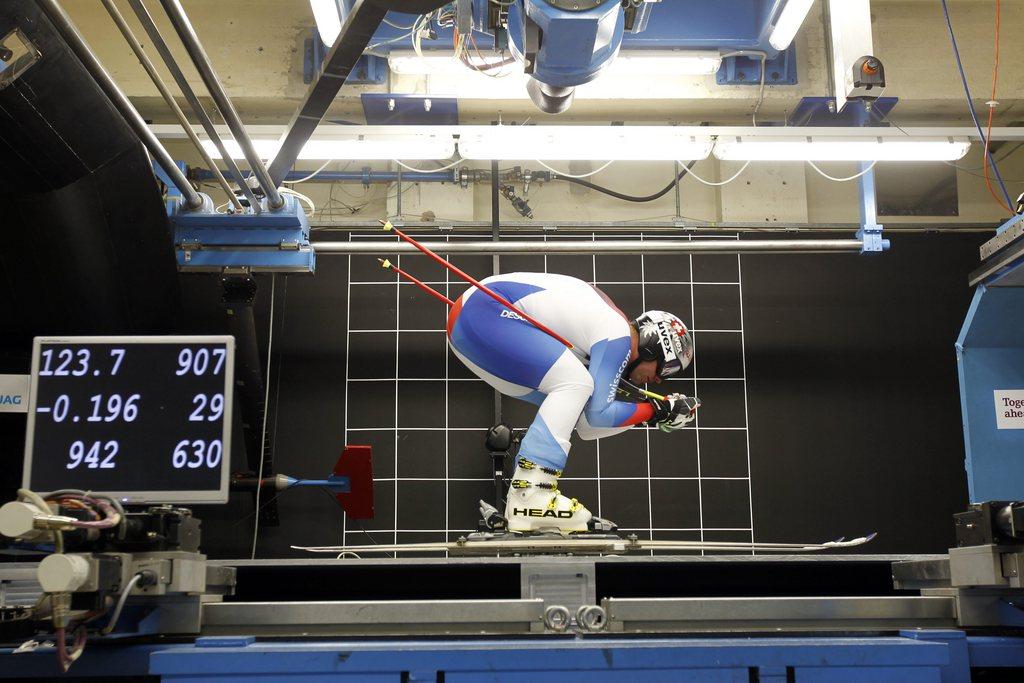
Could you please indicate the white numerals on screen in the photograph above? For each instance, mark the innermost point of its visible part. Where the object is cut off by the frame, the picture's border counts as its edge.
(207, 409)
(65, 362)
(93, 455)
(118, 356)
(200, 361)
(72, 363)
(115, 407)
(60, 408)
(197, 453)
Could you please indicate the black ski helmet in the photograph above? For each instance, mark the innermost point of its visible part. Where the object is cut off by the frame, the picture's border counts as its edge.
(662, 337)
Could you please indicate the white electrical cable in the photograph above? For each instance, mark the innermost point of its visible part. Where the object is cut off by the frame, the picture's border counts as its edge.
(120, 604)
(696, 177)
(567, 175)
(266, 410)
(428, 170)
(841, 180)
(301, 197)
(311, 175)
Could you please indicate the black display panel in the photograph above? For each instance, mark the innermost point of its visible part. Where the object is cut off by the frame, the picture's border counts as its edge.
(143, 418)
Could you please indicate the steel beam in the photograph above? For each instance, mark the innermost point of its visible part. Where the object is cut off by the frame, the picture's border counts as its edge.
(201, 60)
(154, 76)
(74, 39)
(851, 246)
(391, 617)
(160, 45)
(653, 615)
(362, 21)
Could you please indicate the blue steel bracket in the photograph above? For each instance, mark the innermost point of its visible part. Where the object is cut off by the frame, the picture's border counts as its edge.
(743, 70)
(870, 233)
(173, 193)
(272, 241)
(369, 69)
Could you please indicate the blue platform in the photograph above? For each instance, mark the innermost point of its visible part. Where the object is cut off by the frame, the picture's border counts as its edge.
(920, 656)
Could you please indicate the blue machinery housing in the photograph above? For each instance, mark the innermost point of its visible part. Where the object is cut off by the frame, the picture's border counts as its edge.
(990, 358)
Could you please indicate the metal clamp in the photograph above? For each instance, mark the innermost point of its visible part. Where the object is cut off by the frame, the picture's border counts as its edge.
(591, 618)
(557, 618)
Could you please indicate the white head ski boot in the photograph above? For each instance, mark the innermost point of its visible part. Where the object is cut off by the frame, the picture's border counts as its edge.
(534, 503)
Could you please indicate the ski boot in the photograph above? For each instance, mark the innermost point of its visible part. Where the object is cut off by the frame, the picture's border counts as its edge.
(534, 504)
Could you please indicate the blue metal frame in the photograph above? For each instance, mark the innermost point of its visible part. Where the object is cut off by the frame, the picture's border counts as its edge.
(393, 109)
(915, 656)
(270, 241)
(821, 112)
(815, 111)
(870, 233)
(173, 193)
(723, 25)
(779, 70)
(990, 357)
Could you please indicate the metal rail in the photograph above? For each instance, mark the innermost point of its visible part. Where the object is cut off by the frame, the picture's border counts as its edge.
(488, 248)
(400, 617)
(195, 50)
(723, 615)
(190, 96)
(77, 43)
(623, 227)
(148, 65)
(654, 615)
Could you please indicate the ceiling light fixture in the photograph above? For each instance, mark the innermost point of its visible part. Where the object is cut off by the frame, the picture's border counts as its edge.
(841, 149)
(583, 143)
(792, 17)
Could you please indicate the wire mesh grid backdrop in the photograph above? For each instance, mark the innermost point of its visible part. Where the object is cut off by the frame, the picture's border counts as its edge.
(426, 415)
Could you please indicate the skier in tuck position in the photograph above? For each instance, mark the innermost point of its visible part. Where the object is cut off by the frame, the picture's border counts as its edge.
(576, 388)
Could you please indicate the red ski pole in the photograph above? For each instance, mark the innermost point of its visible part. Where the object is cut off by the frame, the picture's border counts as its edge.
(482, 287)
(384, 263)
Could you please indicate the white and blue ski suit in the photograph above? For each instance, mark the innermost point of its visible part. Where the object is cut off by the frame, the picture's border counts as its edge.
(574, 388)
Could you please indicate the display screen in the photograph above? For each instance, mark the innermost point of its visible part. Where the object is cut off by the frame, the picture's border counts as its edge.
(143, 418)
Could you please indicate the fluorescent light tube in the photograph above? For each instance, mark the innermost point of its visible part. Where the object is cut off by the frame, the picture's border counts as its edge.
(410, 64)
(583, 143)
(426, 146)
(635, 64)
(327, 14)
(792, 17)
(664, 63)
(841, 149)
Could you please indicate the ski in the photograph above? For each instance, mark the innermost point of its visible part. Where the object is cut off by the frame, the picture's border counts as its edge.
(582, 544)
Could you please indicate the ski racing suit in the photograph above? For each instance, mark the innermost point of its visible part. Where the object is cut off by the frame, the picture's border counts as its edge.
(574, 388)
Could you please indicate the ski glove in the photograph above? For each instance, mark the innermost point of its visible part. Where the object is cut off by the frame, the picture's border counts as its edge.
(674, 413)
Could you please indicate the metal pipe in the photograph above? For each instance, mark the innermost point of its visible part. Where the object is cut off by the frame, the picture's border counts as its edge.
(190, 96)
(674, 227)
(84, 53)
(195, 50)
(600, 247)
(354, 176)
(147, 64)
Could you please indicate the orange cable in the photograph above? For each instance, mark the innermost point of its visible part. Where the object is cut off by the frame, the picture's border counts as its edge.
(989, 161)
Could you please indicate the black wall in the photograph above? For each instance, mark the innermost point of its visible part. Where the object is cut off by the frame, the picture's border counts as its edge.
(852, 402)
(854, 421)
(854, 405)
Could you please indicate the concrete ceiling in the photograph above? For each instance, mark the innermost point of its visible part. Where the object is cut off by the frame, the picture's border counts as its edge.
(256, 46)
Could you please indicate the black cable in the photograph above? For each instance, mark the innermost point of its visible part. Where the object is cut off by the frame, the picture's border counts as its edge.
(627, 197)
